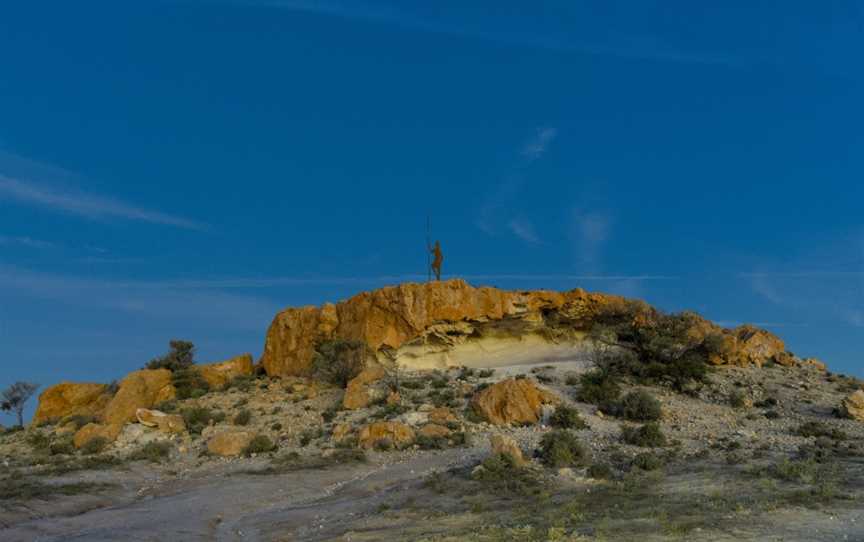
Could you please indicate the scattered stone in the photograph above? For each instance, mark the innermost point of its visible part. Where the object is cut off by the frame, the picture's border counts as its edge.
(399, 434)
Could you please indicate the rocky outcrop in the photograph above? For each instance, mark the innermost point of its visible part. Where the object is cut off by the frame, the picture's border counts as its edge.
(388, 318)
(172, 424)
(71, 399)
(361, 390)
(853, 406)
(229, 443)
(441, 324)
(217, 375)
(442, 416)
(96, 430)
(513, 401)
(386, 434)
(502, 444)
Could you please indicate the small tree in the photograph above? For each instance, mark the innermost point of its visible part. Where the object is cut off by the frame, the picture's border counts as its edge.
(181, 356)
(15, 396)
(338, 361)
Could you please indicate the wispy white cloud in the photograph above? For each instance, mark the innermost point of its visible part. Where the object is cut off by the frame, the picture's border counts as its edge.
(523, 229)
(589, 231)
(536, 147)
(399, 15)
(24, 241)
(87, 205)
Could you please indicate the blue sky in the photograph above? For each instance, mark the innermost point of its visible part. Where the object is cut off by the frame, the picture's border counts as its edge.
(187, 168)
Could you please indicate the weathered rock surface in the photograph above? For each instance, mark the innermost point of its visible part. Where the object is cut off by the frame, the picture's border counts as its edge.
(71, 399)
(418, 324)
(229, 443)
(433, 430)
(398, 434)
(140, 389)
(502, 444)
(219, 374)
(172, 424)
(442, 416)
(96, 430)
(361, 390)
(512, 401)
(853, 406)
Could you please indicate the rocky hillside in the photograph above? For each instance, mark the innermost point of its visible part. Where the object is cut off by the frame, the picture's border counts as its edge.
(442, 411)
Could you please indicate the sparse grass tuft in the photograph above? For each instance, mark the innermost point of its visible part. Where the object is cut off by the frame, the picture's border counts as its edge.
(261, 444)
(566, 417)
(95, 445)
(499, 474)
(243, 417)
(154, 452)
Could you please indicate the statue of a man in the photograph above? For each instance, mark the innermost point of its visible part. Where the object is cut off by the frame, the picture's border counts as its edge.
(437, 260)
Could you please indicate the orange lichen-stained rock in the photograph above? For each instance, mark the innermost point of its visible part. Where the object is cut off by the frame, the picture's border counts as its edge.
(230, 443)
(141, 389)
(70, 399)
(219, 374)
(442, 416)
(395, 434)
(756, 346)
(96, 430)
(853, 406)
(433, 431)
(502, 444)
(512, 401)
(361, 390)
(389, 317)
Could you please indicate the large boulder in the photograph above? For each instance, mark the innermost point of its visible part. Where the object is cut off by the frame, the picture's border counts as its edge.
(141, 389)
(515, 401)
(71, 399)
(229, 443)
(853, 406)
(173, 424)
(220, 374)
(395, 434)
(361, 390)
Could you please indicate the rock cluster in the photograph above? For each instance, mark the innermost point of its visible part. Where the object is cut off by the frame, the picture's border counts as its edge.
(515, 401)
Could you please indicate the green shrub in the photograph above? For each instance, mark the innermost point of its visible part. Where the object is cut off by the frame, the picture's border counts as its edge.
(189, 383)
(566, 417)
(197, 418)
(647, 461)
(598, 387)
(276, 427)
(737, 399)
(600, 471)
(169, 407)
(638, 406)
(38, 441)
(328, 415)
(649, 435)
(241, 383)
(499, 474)
(181, 356)
(439, 382)
(95, 445)
(820, 429)
(442, 398)
(62, 446)
(431, 443)
(243, 417)
(154, 452)
(261, 444)
(561, 448)
(486, 373)
(338, 361)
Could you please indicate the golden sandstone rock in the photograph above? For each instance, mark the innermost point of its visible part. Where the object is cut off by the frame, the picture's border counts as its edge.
(397, 434)
(433, 430)
(853, 406)
(166, 423)
(442, 416)
(358, 393)
(220, 374)
(141, 389)
(96, 430)
(229, 443)
(70, 399)
(392, 317)
(502, 444)
(512, 401)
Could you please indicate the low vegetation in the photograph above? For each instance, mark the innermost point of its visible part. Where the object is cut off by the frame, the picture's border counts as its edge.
(562, 448)
(338, 361)
(180, 356)
(649, 435)
(154, 452)
(566, 417)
